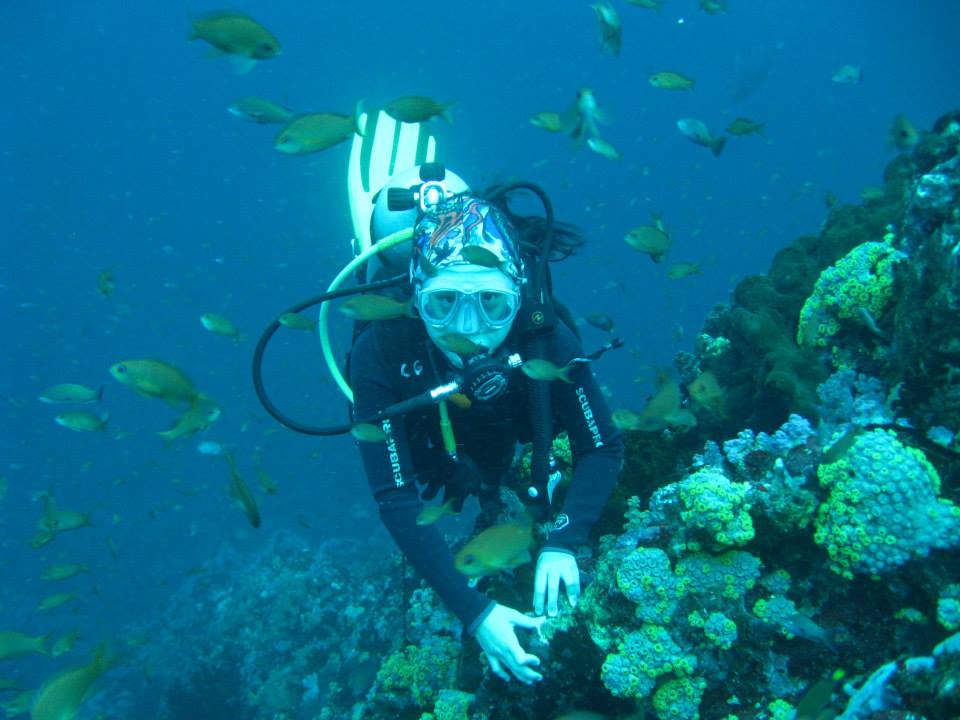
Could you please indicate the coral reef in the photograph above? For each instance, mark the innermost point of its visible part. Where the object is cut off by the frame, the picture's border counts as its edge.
(878, 287)
(804, 525)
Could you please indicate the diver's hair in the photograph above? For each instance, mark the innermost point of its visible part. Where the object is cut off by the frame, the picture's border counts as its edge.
(567, 238)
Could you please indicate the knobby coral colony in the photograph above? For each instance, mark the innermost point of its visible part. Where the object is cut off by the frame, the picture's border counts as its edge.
(811, 532)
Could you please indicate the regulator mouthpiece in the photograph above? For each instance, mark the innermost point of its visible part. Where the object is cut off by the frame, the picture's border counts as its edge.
(486, 378)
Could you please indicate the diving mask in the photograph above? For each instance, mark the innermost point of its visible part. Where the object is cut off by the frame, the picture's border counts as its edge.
(458, 295)
(479, 303)
(494, 308)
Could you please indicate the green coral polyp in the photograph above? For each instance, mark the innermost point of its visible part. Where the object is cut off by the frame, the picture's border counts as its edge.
(729, 575)
(646, 578)
(860, 281)
(948, 607)
(644, 655)
(714, 506)
(418, 672)
(679, 699)
(720, 630)
(781, 710)
(857, 524)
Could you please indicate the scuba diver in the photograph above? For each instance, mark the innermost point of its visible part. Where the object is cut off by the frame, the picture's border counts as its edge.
(484, 323)
(480, 345)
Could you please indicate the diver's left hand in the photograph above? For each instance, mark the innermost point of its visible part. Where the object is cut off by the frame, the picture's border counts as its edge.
(552, 567)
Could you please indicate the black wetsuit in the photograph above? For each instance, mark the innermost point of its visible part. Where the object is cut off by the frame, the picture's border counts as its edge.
(396, 360)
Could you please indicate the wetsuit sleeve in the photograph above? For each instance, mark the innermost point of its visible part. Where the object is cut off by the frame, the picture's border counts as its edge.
(393, 481)
(596, 443)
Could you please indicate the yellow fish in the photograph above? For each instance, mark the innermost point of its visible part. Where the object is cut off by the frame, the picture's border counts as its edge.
(156, 379)
(198, 417)
(706, 391)
(70, 394)
(266, 483)
(744, 126)
(460, 345)
(648, 4)
(668, 80)
(239, 491)
(683, 269)
(549, 121)
(375, 307)
(712, 7)
(81, 421)
(582, 119)
(240, 36)
(848, 75)
(52, 602)
(417, 109)
(63, 571)
(839, 447)
(219, 325)
(63, 520)
(105, 283)
(540, 369)
(602, 147)
(903, 135)
(626, 419)
(650, 240)
(61, 696)
(295, 321)
(368, 432)
(112, 547)
(609, 23)
(315, 132)
(476, 255)
(42, 538)
(501, 547)
(65, 644)
(699, 134)
(260, 110)
(663, 409)
(55, 520)
(430, 515)
(15, 644)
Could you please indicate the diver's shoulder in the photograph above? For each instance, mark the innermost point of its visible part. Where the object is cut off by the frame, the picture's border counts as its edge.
(563, 340)
(386, 343)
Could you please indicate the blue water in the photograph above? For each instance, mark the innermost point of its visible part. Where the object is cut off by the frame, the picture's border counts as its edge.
(119, 154)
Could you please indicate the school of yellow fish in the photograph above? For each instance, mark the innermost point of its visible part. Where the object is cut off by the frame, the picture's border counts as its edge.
(246, 43)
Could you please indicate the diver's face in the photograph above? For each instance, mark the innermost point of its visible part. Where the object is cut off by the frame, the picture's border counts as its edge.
(478, 303)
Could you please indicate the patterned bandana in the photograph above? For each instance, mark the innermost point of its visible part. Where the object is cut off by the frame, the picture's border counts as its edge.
(464, 231)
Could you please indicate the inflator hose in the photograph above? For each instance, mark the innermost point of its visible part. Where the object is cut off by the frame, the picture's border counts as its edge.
(272, 328)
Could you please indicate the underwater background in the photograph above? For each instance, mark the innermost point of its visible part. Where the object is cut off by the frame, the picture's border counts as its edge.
(133, 203)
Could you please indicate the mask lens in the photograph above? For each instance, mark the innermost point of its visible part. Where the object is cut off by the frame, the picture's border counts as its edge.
(438, 306)
(497, 307)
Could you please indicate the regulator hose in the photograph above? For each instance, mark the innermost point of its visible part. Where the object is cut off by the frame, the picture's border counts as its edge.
(275, 325)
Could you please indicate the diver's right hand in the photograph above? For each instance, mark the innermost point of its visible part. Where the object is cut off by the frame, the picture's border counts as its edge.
(458, 481)
(498, 639)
